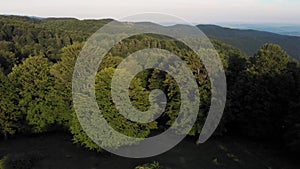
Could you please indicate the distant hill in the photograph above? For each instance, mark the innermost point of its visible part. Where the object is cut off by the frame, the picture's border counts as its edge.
(291, 29)
(250, 40)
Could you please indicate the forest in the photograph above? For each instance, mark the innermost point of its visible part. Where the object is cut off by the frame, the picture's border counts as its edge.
(37, 59)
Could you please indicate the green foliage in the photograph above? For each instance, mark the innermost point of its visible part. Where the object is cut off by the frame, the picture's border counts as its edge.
(263, 93)
(154, 165)
(80, 137)
(34, 84)
(37, 58)
(7, 55)
(291, 134)
(63, 72)
(235, 63)
(9, 114)
(45, 37)
(155, 79)
(138, 96)
(270, 60)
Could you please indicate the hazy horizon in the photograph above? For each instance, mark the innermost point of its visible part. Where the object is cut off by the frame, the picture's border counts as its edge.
(292, 29)
(213, 11)
(194, 23)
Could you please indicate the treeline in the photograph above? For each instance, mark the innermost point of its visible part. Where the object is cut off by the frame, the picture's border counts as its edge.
(21, 37)
(263, 99)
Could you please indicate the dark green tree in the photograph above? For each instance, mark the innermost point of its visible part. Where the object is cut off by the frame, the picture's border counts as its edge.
(263, 92)
(9, 114)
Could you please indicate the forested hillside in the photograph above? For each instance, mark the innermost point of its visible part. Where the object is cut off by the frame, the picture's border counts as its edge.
(37, 59)
(22, 36)
(250, 40)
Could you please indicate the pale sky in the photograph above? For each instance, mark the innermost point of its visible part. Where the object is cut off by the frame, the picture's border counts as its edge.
(195, 11)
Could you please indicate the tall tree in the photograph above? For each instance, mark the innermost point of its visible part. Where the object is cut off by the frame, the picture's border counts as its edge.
(63, 72)
(139, 98)
(38, 101)
(263, 92)
(9, 115)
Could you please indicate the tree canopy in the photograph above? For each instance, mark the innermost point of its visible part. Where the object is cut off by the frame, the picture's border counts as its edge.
(37, 59)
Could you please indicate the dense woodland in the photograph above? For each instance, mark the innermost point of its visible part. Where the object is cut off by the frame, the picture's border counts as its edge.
(250, 40)
(37, 57)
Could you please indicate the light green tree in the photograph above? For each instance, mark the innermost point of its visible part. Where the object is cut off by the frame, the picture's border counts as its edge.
(38, 100)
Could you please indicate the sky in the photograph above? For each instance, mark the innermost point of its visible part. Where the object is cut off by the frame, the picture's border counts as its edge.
(194, 11)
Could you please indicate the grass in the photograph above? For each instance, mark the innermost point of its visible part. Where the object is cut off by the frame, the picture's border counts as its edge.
(228, 152)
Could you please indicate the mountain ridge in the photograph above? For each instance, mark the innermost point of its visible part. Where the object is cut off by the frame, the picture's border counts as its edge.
(250, 40)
